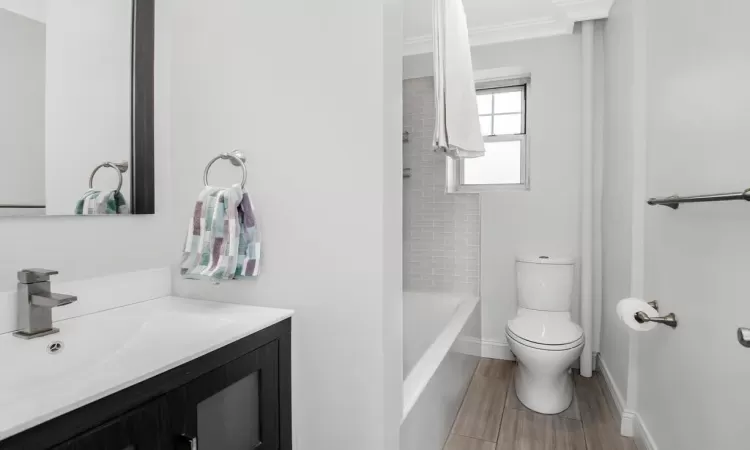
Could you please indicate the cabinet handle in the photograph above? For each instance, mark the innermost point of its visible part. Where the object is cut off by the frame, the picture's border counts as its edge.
(193, 441)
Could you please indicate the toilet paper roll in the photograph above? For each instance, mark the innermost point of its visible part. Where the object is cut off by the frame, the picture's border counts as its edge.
(627, 308)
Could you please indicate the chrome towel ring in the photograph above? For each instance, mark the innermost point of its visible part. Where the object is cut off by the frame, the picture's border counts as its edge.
(121, 167)
(237, 158)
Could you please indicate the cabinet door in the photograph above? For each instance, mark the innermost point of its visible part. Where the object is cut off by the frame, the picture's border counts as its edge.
(144, 428)
(234, 407)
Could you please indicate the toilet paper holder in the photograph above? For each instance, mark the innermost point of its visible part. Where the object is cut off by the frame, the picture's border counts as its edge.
(669, 320)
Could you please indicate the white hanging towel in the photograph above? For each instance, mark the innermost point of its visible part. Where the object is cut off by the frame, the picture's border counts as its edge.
(457, 131)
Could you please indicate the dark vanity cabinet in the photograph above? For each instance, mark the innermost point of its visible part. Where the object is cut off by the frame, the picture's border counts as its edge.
(141, 428)
(234, 407)
(235, 398)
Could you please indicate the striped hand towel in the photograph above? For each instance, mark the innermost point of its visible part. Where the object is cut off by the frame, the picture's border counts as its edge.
(101, 203)
(222, 242)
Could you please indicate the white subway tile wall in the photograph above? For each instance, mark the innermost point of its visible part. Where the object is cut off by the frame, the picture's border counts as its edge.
(441, 231)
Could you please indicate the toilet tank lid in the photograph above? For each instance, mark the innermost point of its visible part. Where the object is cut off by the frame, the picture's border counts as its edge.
(545, 259)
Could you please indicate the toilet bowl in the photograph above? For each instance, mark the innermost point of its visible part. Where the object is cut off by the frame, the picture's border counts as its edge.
(543, 336)
(545, 347)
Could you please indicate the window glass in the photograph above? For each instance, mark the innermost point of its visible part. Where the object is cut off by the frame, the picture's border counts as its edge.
(508, 102)
(508, 124)
(501, 164)
(485, 124)
(484, 104)
(502, 121)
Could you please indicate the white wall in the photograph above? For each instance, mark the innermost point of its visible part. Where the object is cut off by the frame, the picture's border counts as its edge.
(82, 248)
(546, 219)
(88, 97)
(21, 110)
(33, 9)
(677, 96)
(692, 382)
(617, 212)
(312, 92)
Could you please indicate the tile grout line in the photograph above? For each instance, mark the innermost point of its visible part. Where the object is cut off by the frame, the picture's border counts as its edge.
(579, 422)
(502, 416)
(583, 424)
(505, 404)
(455, 419)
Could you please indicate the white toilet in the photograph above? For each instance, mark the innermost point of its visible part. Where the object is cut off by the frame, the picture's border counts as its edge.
(542, 336)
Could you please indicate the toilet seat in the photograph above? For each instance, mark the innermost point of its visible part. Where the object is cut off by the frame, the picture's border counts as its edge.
(537, 346)
(544, 332)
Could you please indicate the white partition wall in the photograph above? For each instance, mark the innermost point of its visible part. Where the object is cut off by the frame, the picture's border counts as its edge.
(311, 91)
(683, 388)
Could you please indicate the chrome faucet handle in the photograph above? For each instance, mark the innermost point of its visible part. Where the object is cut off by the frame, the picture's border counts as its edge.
(29, 276)
(52, 300)
(35, 303)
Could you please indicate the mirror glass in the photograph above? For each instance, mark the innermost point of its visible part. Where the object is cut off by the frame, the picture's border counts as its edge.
(66, 80)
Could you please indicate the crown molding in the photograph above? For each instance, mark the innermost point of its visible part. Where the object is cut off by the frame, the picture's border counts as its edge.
(508, 32)
(578, 10)
(560, 21)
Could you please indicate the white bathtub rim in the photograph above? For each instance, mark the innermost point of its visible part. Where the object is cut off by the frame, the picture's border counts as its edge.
(417, 380)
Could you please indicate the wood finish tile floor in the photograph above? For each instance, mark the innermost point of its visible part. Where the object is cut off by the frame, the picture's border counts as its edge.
(492, 418)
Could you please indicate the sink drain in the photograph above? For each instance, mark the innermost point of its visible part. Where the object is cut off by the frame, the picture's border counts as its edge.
(55, 348)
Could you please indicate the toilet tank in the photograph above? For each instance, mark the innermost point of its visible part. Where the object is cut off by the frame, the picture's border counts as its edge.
(545, 283)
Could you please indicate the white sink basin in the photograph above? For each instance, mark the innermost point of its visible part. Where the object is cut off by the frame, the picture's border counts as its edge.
(102, 353)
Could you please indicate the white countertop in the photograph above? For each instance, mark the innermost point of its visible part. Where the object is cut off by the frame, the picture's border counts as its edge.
(109, 351)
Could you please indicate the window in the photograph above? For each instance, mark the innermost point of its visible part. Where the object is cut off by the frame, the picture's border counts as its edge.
(502, 118)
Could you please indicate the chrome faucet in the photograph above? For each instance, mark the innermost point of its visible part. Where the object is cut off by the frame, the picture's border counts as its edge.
(35, 303)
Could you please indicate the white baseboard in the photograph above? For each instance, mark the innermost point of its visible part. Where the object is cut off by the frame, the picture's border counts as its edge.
(627, 423)
(631, 423)
(468, 346)
(626, 417)
(487, 348)
(643, 438)
(496, 350)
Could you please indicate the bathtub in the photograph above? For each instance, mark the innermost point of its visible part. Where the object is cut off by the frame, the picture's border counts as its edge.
(440, 357)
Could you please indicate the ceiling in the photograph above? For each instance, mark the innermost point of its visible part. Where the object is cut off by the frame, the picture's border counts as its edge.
(493, 21)
(33, 9)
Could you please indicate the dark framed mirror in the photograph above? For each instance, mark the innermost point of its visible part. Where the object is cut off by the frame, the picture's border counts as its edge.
(77, 109)
(142, 154)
